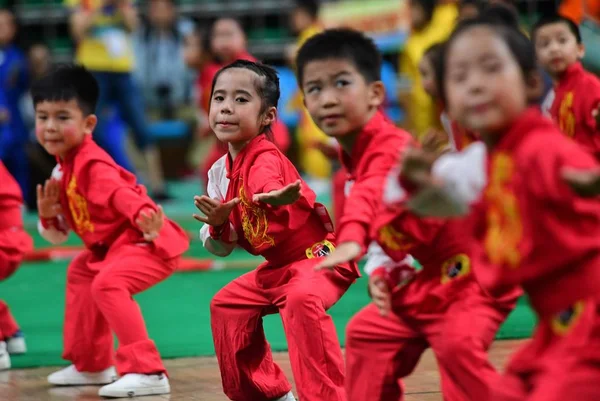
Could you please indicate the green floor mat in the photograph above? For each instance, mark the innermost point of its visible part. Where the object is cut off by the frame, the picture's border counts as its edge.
(176, 312)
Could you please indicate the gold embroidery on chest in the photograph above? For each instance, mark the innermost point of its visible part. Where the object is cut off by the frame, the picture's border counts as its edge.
(79, 209)
(566, 118)
(394, 239)
(504, 226)
(254, 222)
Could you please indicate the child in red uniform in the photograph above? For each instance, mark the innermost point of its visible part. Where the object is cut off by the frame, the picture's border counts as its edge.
(228, 43)
(129, 245)
(14, 244)
(257, 200)
(530, 228)
(575, 107)
(339, 75)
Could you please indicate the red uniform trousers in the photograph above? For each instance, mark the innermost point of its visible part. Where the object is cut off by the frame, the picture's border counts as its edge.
(301, 296)
(14, 243)
(99, 300)
(382, 349)
(561, 361)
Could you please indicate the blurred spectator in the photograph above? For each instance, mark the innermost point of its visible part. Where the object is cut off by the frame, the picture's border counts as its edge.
(40, 162)
(160, 68)
(102, 32)
(13, 84)
(430, 23)
(304, 23)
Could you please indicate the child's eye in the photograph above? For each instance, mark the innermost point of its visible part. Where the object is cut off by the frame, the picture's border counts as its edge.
(491, 66)
(458, 76)
(313, 89)
(241, 100)
(562, 40)
(218, 98)
(63, 118)
(43, 118)
(340, 83)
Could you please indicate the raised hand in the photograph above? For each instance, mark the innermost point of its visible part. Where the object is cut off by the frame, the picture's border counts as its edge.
(150, 223)
(216, 213)
(584, 183)
(48, 199)
(380, 293)
(416, 166)
(343, 253)
(279, 197)
(434, 141)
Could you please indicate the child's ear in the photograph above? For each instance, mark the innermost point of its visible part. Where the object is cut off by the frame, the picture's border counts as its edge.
(89, 123)
(580, 51)
(269, 116)
(376, 94)
(534, 87)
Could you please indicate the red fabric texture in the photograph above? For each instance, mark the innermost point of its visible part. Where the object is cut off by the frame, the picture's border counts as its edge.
(561, 362)
(380, 350)
(301, 296)
(101, 200)
(99, 302)
(577, 94)
(531, 228)
(376, 150)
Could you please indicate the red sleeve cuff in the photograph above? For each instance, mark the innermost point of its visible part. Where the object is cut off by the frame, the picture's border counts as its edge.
(49, 223)
(221, 233)
(354, 232)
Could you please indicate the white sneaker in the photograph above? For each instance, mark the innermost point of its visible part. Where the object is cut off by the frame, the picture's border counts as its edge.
(288, 397)
(16, 345)
(70, 376)
(4, 357)
(135, 385)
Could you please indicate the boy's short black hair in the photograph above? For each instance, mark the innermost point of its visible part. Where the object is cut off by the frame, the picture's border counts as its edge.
(68, 82)
(311, 7)
(346, 44)
(501, 14)
(555, 18)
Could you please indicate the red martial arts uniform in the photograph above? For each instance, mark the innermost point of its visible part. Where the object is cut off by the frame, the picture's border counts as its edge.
(577, 94)
(442, 306)
(100, 202)
(532, 230)
(281, 135)
(291, 239)
(14, 242)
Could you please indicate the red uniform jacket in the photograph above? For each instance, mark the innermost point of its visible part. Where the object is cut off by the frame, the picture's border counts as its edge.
(281, 234)
(577, 94)
(531, 229)
(101, 202)
(375, 152)
(11, 200)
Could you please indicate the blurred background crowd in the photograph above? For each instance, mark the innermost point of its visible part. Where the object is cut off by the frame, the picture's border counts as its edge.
(155, 60)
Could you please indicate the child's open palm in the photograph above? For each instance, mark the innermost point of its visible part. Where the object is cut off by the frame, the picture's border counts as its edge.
(279, 197)
(48, 199)
(151, 222)
(216, 212)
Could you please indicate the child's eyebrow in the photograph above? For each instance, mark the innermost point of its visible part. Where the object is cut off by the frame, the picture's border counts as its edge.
(243, 92)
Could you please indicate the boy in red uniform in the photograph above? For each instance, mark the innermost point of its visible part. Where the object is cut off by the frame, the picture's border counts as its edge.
(129, 245)
(14, 244)
(339, 74)
(530, 228)
(257, 200)
(575, 107)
